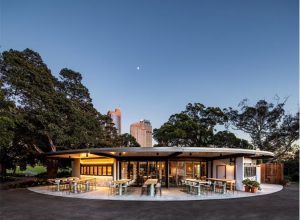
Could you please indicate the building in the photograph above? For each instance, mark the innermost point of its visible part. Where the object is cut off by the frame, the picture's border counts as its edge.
(116, 117)
(169, 165)
(142, 131)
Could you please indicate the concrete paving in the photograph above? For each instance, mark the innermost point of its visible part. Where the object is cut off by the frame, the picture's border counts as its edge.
(171, 194)
(25, 204)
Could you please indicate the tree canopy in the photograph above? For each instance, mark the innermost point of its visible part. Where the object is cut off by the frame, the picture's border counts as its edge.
(128, 140)
(195, 127)
(269, 127)
(56, 113)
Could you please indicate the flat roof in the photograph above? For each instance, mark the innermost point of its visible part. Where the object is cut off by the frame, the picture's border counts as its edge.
(171, 152)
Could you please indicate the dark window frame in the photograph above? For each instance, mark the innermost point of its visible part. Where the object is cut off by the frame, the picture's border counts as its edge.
(250, 171)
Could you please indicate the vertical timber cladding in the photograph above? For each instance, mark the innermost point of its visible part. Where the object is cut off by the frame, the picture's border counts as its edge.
(272, 173)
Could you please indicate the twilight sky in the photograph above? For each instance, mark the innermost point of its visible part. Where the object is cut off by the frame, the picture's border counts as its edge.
(151, 58)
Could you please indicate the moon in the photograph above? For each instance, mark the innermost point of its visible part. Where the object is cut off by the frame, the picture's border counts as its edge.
(138, 68)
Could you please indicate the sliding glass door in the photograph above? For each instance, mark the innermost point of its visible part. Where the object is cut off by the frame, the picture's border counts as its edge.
(180, 170)
(140, 171)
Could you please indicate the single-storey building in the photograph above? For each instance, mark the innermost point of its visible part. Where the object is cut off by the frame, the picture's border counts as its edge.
(168, 164)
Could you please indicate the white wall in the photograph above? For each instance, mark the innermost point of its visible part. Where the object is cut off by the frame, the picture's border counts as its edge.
(258, 174)
(239, 166)
(229, 169)
(115, 170)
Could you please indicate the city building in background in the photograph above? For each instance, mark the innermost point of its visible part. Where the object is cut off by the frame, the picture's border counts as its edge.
(116, 118)
(142, 131)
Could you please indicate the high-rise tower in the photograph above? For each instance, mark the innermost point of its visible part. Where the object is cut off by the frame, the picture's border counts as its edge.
(116, 118)
(142, 131)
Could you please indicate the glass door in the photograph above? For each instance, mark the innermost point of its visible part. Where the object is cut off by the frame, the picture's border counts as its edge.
(142, 173)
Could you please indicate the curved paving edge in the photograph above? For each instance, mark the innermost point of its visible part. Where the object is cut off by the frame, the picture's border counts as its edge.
(171, 194)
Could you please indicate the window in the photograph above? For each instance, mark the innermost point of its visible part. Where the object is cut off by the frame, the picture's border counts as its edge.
(96, 170)
(249, 171)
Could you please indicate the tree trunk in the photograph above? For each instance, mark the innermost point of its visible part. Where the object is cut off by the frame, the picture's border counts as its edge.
(52, 168)
(2, 170)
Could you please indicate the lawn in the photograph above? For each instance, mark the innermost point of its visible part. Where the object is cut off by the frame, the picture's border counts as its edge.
(30, 170)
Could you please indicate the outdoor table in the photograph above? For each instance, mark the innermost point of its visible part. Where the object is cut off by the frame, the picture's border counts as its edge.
(224, 181)
(197, 181)
(151, 182)
(120, 183)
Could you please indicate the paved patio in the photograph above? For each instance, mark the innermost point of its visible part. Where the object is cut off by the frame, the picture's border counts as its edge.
(24, 204)
(171, 194)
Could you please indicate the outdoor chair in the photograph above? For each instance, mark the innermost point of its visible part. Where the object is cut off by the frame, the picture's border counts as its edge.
(220, 187)
(183, 184)
(207, 188)
(233, 187)
(93, 184)
(112, 188)
(158, 188)
(189, 186)
(125, 187)
(65, 187)
(145, 189)
(51, 184)
(197, 188)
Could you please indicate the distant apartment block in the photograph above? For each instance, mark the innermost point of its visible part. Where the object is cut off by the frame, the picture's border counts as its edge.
(116, 118)
(142, 131)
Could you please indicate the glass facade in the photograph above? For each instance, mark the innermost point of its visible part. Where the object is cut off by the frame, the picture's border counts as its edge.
(140, 171)
(179, 170)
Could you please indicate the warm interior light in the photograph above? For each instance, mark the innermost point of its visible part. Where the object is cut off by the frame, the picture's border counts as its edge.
(97, 161)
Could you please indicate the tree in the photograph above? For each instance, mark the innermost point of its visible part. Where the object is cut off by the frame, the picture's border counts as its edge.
(7, 126)
(128, 140)
(228, 139)
(192, 127)
(268, 126)
(57, 114)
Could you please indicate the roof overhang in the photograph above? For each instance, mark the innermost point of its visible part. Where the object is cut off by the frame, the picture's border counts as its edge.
(165, 152)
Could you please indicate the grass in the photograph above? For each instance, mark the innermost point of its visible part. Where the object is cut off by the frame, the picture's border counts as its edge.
(30, 171)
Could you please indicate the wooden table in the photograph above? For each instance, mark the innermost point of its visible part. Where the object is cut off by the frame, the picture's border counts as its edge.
(224, 181)
(197, 181)
(120, 183)
(151, 182)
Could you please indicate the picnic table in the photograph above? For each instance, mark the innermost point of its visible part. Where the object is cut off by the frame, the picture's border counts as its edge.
(200, 182)
(151, 182)
(224, 181)
(120, 183)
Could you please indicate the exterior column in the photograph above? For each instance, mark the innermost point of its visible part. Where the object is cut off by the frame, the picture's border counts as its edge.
(76, 168)
(239, 167)
(115, 169)
(258, 174)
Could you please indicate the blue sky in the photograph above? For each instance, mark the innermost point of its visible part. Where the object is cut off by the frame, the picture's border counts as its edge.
(213, 52)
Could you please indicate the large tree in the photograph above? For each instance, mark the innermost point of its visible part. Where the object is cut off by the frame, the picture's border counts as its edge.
(127, 140)
(7, 126)
(192, 127)
(58, 114)
(228, 139)
(268, 126)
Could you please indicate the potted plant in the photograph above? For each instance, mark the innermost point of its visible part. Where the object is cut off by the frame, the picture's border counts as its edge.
(255, 186)
(247, 184)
